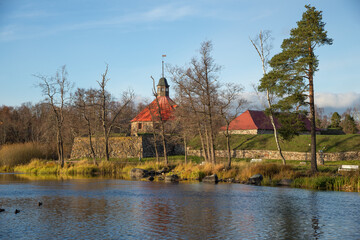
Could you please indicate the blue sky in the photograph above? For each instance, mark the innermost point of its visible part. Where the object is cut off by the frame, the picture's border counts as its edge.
(40, 36)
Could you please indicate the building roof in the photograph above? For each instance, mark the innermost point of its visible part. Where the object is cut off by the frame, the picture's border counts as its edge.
(251, 119)
(150, 113)
(163, 82)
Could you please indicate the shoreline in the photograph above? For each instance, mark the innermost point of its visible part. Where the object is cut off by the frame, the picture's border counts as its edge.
(273, 174)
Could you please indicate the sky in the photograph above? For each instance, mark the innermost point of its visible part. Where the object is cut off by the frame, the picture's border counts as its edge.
(40, 36)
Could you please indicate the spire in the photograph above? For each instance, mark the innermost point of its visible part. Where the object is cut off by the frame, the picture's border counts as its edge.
(163, 66)
(163, 86)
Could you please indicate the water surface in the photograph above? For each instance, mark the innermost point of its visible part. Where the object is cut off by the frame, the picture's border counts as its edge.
(119, 209)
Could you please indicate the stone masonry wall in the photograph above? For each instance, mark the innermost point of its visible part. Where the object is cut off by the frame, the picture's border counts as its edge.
(123, 147)
(266, 154)
(119, 147)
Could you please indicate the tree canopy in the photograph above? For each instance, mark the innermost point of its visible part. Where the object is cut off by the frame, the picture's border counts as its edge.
(293, 69)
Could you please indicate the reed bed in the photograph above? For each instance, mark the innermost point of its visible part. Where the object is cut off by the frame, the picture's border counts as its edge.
(20, 153)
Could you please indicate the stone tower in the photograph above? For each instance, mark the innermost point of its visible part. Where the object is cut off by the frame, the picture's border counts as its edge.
(163, 88)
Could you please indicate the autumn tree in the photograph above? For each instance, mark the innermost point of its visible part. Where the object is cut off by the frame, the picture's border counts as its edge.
(57, 91)
(293, 69)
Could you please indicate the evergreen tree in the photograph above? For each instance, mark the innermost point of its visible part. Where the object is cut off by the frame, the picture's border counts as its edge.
(335, 120)
(292, 74)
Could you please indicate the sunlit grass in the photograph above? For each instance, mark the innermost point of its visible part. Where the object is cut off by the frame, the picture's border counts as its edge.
(20, 153)
(328, 143)
(327, 178)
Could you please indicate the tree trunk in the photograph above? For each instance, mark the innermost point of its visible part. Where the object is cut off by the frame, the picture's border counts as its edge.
(228, 147)
(203, 144)
(313, 126)
(92, 148)
(207, 144)
(60, 148)
(185, 149)
(107, 155)
(312, 115)
(164, 143)
(274, 127)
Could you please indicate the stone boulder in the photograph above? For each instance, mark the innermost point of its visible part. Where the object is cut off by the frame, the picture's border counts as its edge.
(172, 178)
(255, 180)
(211, 179)
(285, 182)
(163, 171)
(138, 173)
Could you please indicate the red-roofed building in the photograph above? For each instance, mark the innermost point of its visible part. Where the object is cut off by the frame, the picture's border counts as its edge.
(143, 122)
(256, 122)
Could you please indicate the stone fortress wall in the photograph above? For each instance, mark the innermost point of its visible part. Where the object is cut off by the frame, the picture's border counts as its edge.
(143, 146)
(122, 147)
(267, 154)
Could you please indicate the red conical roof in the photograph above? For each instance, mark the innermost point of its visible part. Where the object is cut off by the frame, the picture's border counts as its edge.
(256, 120)
(150, 113)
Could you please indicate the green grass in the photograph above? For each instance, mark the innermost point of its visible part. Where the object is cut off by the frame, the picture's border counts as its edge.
(329, 143)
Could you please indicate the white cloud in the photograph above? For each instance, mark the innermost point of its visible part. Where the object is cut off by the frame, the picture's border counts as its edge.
(164, 13)
(331, 102)
(337, 100)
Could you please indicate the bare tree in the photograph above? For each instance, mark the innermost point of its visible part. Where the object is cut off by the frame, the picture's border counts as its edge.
(263, 47)
(85, 102)
(203, 83)
(230, 105)
(190, 105)
(108, 116)
(57, 91)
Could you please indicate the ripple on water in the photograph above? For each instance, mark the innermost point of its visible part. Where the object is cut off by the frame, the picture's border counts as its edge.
(116, 209)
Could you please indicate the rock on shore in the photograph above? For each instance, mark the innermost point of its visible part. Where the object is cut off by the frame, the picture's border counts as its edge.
(211, 179)
(172, 178)
(255, 180)
(138, 173)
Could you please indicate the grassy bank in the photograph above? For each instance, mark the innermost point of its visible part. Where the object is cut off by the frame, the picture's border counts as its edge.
(273, 172)
(329, 143)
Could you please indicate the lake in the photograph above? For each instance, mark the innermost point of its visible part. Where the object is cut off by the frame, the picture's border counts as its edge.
(99, 208)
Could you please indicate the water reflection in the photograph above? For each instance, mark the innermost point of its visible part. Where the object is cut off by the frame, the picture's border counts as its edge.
(116, 209)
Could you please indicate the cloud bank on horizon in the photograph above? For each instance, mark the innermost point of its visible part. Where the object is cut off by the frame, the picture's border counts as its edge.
(333, 102)
(330, 102)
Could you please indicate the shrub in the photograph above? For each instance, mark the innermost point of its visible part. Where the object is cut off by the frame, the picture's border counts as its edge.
(20, 153)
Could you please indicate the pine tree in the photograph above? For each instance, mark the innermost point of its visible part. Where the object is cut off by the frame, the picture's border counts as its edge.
(335, 120)
(293, 69)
